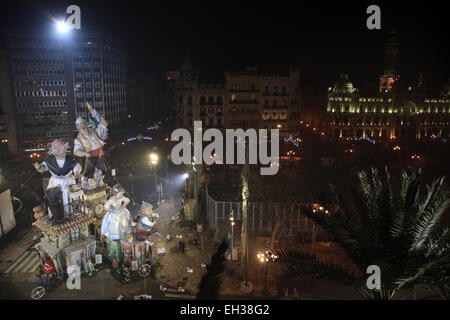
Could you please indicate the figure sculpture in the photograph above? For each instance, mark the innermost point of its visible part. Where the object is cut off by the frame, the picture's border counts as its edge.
(116, 223)
(89, 144)
(62, 167)
(146, 221)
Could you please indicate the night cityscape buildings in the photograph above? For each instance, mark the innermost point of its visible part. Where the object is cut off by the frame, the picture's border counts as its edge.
(244, 99)
(52, 77)
(357, 177)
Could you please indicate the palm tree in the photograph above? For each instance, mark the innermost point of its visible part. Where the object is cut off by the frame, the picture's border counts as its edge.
(399, 230)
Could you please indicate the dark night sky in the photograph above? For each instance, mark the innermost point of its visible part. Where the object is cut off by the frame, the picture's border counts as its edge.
(323, 37)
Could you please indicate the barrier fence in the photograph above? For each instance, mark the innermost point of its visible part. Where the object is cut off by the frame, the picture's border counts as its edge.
(259, 215)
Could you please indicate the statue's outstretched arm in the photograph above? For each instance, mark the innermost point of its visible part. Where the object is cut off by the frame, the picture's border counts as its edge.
(96, 115)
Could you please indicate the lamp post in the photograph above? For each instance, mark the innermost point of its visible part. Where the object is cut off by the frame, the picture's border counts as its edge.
(154, 162)
(264, 257)
(232, 236)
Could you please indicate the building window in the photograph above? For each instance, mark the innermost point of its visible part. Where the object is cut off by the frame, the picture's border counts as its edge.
(75, 235)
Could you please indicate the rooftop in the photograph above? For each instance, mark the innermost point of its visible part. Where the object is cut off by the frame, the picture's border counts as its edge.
(46, 226)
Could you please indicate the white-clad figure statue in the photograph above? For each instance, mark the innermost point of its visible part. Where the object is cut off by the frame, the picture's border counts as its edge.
(116, 223)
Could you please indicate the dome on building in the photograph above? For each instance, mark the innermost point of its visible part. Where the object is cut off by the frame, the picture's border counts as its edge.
(343, 85)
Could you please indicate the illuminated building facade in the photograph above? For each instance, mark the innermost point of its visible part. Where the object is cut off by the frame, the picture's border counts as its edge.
(386, 116)
(246, 99)
(393, 112)
(242, 99)
(280, 102)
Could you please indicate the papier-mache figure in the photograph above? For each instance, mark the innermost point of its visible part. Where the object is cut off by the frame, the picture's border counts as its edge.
(89, 144)
(116, 223)
(49, 267)
(90, 267)
(62, 167)
(146, 221)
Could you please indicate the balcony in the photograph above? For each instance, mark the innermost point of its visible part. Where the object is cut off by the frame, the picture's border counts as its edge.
(244, 102)
(244, 90)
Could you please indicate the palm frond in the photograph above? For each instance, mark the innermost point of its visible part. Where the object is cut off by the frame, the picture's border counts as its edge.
(306, 264)
(441, 245)
(346, 235)
(430, 212)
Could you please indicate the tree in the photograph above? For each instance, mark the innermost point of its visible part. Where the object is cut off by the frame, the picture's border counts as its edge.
(397, 229)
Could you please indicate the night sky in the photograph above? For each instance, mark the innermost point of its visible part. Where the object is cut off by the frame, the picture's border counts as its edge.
(323, 37)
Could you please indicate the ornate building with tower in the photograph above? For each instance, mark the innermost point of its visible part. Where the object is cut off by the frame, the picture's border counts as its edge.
(393, 113)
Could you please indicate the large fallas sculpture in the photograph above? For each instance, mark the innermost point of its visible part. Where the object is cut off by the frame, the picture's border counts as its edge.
(62, 167)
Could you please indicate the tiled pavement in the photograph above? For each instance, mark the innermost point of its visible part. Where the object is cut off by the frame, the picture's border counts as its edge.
(172, 272)
(15, 247)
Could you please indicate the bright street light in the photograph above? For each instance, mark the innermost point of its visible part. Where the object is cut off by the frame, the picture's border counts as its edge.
(185, 176)
(154, 158)
(62, 27)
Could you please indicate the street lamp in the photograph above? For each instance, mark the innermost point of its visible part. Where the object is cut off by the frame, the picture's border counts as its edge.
(154, 162)
(62, 27)
(263, 257)
(232, 237)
